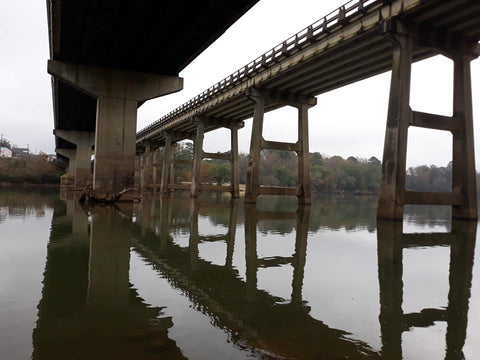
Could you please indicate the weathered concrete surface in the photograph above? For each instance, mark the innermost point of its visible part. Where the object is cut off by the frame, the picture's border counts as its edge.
(464, 174)
(67, 180)
(392, 187)
(118, 94)
(84, 142)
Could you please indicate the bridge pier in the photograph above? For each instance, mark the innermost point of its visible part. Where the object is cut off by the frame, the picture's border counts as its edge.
(83, 140)
(258, 143)
(154, 170)
(146, 168)
(67, 180)
(199, 155)
(393, 195)
(167, 165)
(118, 94)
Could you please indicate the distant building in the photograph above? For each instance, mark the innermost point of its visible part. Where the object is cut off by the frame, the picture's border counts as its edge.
(5, 152)
(19, 152)
(51, 157)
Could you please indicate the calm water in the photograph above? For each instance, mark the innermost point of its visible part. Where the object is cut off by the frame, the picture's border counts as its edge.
(214, 279)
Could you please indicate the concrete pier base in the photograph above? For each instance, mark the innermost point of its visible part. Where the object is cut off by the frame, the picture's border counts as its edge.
(118, 94)
(67, 180)
(84, 142)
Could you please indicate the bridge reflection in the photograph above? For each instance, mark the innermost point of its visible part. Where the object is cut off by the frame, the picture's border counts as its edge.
(249, 315)
(393, 321)
(89, 308)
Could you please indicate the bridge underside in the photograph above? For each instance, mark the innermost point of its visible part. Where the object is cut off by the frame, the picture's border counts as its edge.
(358, 41)
(139, 37)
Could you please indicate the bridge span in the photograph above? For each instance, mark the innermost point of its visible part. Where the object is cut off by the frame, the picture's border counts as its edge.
(106, 59)
(361, 39)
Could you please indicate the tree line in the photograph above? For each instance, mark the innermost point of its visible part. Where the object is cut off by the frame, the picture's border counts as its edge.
(328, 174)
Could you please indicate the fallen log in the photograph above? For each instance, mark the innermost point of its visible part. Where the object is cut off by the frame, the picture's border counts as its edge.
(90, 196)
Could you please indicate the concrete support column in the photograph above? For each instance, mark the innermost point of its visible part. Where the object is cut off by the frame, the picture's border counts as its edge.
(84, 141)
(118, 94)
(71, 155)
(253, 171)
(234, 163)
(67, 180)
(142, 171)
(147, 169)
(197, 158)
(304, 195)
(71, 162)
(115, 144)
(167, 159)
(171, 175)
(83, 175)
(392, 188)
(154, 169)
(464, 175)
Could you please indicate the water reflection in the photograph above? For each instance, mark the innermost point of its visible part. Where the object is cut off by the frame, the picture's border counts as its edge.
(297, 260)
(89, 308)
(251, 316)
(393, 321)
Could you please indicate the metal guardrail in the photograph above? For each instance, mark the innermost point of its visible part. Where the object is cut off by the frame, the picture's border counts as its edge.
(313, 33)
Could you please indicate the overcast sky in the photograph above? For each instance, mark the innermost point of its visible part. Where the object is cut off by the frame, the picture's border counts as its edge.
(347, 121)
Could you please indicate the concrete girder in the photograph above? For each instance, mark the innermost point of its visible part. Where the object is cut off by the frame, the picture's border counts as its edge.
(129, 85)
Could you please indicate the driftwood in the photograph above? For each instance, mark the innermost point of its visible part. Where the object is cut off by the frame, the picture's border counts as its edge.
(91, 196)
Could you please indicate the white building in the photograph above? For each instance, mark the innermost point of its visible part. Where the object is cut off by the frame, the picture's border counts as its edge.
(5, 152)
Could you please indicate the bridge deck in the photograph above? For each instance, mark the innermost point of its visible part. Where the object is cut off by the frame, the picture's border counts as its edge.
(346, 46)
(128, 35)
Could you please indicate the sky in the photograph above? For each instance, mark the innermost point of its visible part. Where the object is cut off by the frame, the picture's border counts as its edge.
(349, 121)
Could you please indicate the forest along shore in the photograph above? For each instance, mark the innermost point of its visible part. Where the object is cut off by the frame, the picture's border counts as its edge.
(30, 170)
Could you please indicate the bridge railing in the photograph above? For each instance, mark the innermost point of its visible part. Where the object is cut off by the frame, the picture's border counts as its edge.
(312, 33)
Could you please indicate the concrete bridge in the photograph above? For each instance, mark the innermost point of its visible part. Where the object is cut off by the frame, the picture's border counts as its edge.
(361, 39)
(107, 58)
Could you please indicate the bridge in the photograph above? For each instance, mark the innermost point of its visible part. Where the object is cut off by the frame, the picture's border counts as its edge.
(106, 59)
(361, 39)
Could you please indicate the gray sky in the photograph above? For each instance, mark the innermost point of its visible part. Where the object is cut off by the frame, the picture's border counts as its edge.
(347, 121)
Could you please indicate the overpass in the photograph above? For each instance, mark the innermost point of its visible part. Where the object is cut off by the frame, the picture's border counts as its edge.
(361, 39)
(107, 58)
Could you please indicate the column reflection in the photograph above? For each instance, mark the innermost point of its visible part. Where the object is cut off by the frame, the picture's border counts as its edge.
(393, 321)
(89, 309)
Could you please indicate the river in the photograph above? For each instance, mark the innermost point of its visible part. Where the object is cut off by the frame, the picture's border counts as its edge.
(211, 278)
